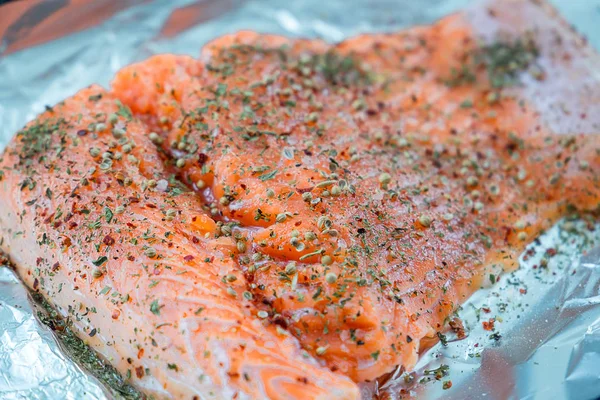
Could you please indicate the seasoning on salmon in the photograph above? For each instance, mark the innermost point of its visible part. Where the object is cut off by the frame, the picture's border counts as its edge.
(283, 217)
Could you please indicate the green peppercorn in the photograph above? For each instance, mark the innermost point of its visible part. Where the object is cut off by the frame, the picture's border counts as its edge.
(113, 118)
(290, 269)
(425, 220)
(310, 236)
(150, 252)
(326, 260)
(385, 178)
(241, 246)
(118, 133)
(331, 277)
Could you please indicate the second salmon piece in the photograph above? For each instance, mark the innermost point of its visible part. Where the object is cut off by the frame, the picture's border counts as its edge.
(378, 182)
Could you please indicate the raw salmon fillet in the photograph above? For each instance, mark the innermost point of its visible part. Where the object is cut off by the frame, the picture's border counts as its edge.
(287, 218)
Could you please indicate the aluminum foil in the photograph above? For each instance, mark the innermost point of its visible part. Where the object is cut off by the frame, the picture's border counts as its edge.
(535, 334)
(32, 364)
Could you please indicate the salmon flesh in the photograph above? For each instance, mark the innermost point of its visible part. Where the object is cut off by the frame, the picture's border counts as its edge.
(287, 218)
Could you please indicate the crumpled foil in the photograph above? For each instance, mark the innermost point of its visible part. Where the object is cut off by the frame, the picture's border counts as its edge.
(535, 334)
(32, 365)
(545, 341)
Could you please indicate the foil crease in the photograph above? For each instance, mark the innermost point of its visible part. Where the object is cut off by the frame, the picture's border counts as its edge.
(545, 341)
(32, 364)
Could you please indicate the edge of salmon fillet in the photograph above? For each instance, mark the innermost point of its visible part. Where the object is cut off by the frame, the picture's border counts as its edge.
(567, 97)
(492, 15)
(151, 335)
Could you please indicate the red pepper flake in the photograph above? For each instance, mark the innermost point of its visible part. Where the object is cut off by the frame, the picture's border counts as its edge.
(457, 326)
(36, 284)
(139, 372)
(55, 267)
(489, 325)
(189, 258)
(447, 385)
(66, 242)
(202, 159)
(140, 353)
(551, 252)
(115, 314)
(523, 291)
(108, 240)
(485, 309)
(195, 240)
